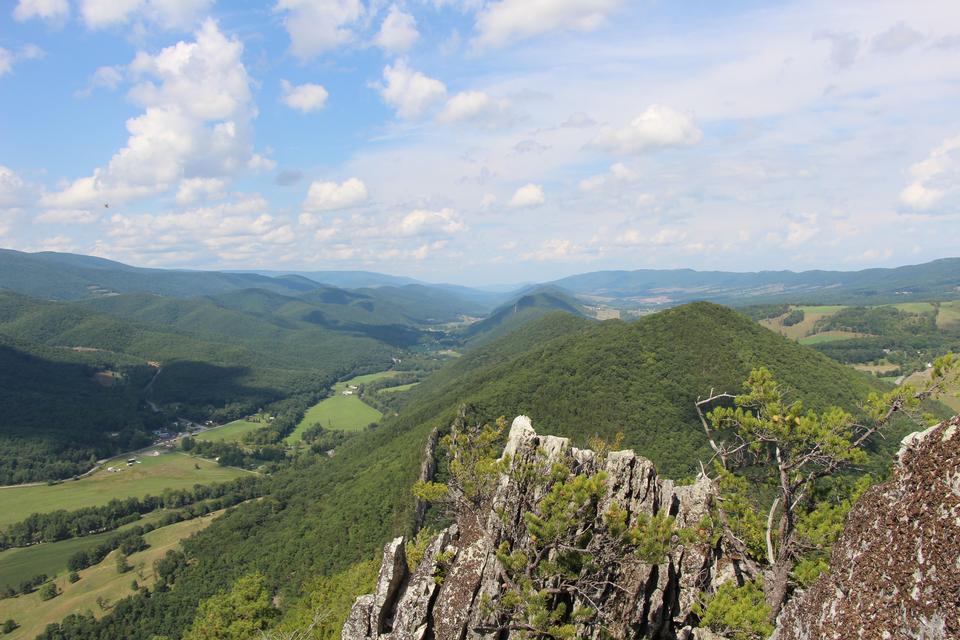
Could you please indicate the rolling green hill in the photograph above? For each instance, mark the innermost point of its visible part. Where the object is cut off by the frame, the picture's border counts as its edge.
(514, 314)
(574, 377)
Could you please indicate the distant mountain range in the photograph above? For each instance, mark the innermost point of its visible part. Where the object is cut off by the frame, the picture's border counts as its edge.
(68, 276)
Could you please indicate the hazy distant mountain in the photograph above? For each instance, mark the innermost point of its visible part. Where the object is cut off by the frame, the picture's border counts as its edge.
(667, 287)
(345, 279)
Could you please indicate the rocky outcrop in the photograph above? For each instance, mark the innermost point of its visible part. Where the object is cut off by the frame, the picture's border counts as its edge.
(442, 598)
(895, 571)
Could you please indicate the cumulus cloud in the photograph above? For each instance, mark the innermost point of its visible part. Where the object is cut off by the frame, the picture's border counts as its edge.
(194, 189)
(304, 97)
(657, 127)
(68, 216)
(551, 250)
(649, 238)
(316, 26)
(103, 77)
(195, 124)
(529, 195)
(934, 178)
(509, 20)
(6, 61)
(49, 10)
(13, 190)
(619, 173)
(325, 196)
(398, 31)
(408, 91)
(169, 14)
(421, 222)
(477, 107)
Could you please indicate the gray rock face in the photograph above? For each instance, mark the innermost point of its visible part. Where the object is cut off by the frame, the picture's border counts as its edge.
(442, 599)
(895, 571)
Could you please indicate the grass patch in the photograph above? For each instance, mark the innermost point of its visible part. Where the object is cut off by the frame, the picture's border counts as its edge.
(949, 315)
(345, 413)
(829, 336)
(51, 558)
(151, 476)
(811, 314)
(230, 432)
(913, 307)
(949, 398)
(884, 369)
(399, 388)
(99, 581)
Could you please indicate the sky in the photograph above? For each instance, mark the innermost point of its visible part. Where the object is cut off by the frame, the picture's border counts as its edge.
(482, 141)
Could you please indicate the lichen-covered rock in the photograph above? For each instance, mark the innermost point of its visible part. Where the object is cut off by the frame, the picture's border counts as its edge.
(895, 571)
(443, 598)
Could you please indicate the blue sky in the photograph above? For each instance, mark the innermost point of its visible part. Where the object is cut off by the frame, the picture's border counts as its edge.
(481, 141)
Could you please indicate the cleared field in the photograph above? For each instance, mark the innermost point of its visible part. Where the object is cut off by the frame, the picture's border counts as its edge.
(151, 475)
(914, 307)
(230, 432)
(949, 315)
(100, 581)
(882, 369)
(949, 398)
(829, 336)
(398, 388)
(345, 413)
(811, 314)
(51, 558)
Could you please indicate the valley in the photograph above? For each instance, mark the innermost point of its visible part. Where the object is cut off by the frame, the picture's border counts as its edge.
(325, 399)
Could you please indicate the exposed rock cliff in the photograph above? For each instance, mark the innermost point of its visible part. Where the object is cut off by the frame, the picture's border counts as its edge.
(444, 598)
(895, 571)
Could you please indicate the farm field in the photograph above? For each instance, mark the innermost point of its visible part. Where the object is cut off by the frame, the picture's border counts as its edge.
(829, 336)
(99, 581)
(230, 432)
(51, 558)
(151, 476)
(913, 307)
(399, 388)
(345, 413)
(811, 314)
(949, 398)
(949, 315)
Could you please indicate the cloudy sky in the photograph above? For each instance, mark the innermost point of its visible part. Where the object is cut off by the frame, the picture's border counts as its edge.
(482, 141)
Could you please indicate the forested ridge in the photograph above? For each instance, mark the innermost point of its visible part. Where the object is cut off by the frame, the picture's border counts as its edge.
(580, 379)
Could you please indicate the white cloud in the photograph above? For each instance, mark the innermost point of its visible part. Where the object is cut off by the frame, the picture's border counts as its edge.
(324, 196)
(317, 26)
(801, 230)
(619, 173)
(554, 249)
(304, 97)
(193, 189)
(509, 20)
(9, 58)
(169, 14)
(6, 61)
(51, 10)
(658, 126)
(408, 91)
(68, 216)
(844, 47)
(398, 32)
(13, 190)
(424, 222)
(897, 39)
(648, 238)
(103, 77)
(934, 178)
(529, 195)
(479, 108)
(196, 124)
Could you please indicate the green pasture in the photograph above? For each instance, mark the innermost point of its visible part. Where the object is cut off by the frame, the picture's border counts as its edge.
(345, 413)
(398, 388)
(230, 432)
(829, 336)
(17, 565)
(101, 581)
(153, 474)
